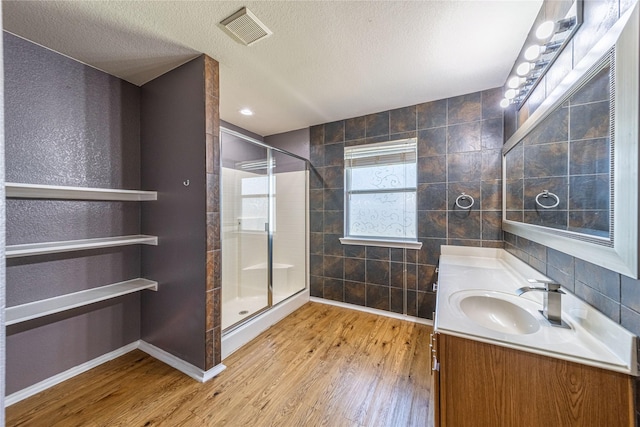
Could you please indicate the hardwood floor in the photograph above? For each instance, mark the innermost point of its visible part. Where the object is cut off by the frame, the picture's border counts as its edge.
(322, 365)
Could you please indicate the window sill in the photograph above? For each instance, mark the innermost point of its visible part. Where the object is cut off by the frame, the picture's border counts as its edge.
(381, 243)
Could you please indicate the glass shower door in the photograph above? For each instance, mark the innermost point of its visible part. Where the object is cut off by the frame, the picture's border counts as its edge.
(245, 229)
(289, 229)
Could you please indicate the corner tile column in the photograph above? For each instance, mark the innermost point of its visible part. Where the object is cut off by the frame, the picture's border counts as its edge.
(214, 252)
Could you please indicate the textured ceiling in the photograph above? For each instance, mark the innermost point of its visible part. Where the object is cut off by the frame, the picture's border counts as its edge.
(325, 61)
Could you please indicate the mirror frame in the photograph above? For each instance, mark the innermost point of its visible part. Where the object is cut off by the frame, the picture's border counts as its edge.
(621, 254)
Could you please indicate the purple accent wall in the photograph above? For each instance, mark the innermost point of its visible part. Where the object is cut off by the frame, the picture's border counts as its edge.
(173, 151)
(68, 124)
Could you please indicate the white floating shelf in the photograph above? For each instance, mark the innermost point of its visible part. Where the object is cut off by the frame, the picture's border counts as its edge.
(29, 249)
(35, 191)
(33, 310)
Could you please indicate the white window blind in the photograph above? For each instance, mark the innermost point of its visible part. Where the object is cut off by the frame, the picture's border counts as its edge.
(380, 191)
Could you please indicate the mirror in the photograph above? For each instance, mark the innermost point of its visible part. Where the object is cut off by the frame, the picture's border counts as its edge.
(570, 173)
(558, 175)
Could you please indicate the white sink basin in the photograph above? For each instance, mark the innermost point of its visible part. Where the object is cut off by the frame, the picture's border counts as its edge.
(499, 315)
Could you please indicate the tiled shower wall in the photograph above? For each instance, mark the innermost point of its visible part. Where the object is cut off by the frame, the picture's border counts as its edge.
(459, 150)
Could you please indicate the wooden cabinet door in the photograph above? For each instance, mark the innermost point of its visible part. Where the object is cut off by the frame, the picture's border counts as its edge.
(487, 385)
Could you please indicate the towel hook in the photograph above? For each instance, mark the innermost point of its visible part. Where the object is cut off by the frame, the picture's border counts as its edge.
(546, 194)
(464, 196)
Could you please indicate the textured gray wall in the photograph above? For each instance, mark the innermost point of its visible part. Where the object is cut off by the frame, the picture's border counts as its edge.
(173, 150)
(2, 239)
(295, 141)
(68, 124)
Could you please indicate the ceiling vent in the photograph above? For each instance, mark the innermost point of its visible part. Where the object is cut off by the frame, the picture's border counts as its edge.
(246, 27)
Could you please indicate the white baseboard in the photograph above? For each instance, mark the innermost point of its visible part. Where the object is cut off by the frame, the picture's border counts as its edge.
(373, 311)
(69, 373)
(179, 364)
(236, 338)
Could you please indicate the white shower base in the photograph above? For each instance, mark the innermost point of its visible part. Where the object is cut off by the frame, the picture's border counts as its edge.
(236, 338)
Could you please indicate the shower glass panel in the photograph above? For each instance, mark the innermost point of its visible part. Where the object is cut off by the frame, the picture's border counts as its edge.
(264, 227)
(244, 217)
(289, 230)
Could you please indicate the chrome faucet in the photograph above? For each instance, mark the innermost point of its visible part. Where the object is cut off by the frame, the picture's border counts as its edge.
(552, 302)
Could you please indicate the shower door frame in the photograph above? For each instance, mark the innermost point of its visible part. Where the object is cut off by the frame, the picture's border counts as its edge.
(270, 222)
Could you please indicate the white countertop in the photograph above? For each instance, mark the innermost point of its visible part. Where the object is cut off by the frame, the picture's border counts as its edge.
(593, 339)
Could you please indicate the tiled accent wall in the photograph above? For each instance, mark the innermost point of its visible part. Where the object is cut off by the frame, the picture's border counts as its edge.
(213, 334)
(459, 150)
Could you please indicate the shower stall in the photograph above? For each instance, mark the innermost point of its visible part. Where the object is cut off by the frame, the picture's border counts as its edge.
(264, 236)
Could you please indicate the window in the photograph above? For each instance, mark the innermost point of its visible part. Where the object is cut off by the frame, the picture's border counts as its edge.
(380, 194)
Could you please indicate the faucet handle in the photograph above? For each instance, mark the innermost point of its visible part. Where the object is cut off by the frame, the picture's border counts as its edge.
(550, 285)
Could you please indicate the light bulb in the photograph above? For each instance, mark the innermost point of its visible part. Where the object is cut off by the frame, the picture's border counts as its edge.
(514, 82)
(532, 53)
(523, 69)
(510, 94)
(504, 103)
(246, 112)
(545, 30)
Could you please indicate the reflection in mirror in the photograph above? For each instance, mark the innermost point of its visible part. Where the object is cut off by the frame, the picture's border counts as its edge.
(581, 145)
(558, 175)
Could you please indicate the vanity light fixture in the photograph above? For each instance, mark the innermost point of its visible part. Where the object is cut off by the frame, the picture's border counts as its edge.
(537, 58)
(246, 112)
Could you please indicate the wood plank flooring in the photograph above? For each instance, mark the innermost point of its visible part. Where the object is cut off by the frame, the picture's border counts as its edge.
(321, 366)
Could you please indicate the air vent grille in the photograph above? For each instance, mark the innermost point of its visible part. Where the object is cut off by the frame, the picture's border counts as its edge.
(246, 27)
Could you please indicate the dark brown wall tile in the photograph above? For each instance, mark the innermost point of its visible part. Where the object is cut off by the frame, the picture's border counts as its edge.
(355, 293)
(316, 200)
(378, 297)
(316, 135)
(334, 199)
(334, 289)
(492, 225)
(213, 231)
(426, 304)
(464, 225)
(552, 129)
(378, 253)
(332, 245)
(491, 164)
(546, 160)
(491, 108)
(432, 197)
(589, 156)
(426, 277)
(492, 134)
(464, 167)
(590, 121)
(333, 267)
(432, 224)
(316, 221)
(334, 154)
(596, 89)
(316, 155)
(432, 114)
(412, 276)
(354, 251)
(465, 108)
(432, 142)
(377, 272)
(589, 192)
(316, 265)
(332, 177)
(402, 120)
(316, 243)
(355, 128)
(464, 137)
(432, 169)
(377, 124)
(430, 251)
(397, 254)
(354, 269)
(334, 132)
(397, 300)
(397, 275)
(491, 195)
(316, 286)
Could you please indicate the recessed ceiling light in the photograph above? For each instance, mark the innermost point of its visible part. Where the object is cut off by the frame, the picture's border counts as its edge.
(246, 112)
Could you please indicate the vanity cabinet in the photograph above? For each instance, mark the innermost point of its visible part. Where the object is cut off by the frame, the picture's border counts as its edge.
(480, 384)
